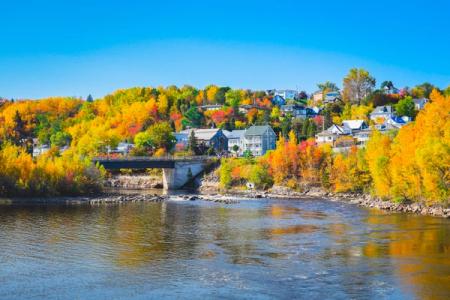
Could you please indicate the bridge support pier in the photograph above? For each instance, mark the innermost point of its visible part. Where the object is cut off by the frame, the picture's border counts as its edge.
(175, 178)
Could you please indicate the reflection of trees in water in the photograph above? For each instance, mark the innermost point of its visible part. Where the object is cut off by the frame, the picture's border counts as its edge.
(234, 231)
(419, 248)
(153, 232)
(415, 249)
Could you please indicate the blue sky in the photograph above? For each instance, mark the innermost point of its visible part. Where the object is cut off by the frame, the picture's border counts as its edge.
(75, 48)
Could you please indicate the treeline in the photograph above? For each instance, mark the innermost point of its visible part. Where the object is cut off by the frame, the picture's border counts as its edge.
(411, 165)
(147, 116)
(51, 174)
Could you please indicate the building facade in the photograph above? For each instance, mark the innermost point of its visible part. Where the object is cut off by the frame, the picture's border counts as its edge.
(259, 139)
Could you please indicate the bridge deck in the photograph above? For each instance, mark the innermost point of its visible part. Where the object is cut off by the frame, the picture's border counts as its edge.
(145, 162)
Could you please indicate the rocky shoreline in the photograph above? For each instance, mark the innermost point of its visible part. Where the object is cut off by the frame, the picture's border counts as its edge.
(363, 200)
(232, 196)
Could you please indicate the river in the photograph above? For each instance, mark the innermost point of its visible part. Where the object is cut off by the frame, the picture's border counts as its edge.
(258, 249)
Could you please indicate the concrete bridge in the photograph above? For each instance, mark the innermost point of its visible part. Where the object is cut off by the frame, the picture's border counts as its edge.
(177, 171)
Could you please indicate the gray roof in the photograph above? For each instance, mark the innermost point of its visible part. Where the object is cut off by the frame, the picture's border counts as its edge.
(202, 134)
(235, 134)
(420, 100)
(257, 130)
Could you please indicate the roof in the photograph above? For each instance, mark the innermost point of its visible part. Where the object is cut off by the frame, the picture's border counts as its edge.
(382, 109)
(326, 133)
(235, 134)
(333, 94)
(202, 134)
(420, 101)
(353, 124)
(285, 91)
(211, 106)
(257, 130)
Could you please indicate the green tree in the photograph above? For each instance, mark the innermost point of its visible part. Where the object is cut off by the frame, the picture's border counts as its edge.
(235, 148)
(327, 87)
(192, 143)
(143, 140)
(358, 84)
(161, 135)
(248, 154)
(220, 95)
(405, 107)
(19, 133)
(60, 139)
(422, 90)
(192, 117)
(387, 85)
(233, 98)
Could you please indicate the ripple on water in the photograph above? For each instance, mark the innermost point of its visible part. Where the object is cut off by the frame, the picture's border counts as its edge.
(253, 249)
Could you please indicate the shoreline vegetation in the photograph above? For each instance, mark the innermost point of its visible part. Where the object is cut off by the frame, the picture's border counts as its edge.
(410, 165)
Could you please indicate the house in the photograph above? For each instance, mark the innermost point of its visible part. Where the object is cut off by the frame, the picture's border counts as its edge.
(298, 111)
(259, 139)
(209, 138)
(317, 96)
(420, 103)
(382, 112)
(211, 107)
(286, 94)
(397, 122)
(278, 100)
(355, 125)
(182, 138)
(122, 148)
(235, 138)
(332, 97)
(41, 149)
(330, 135)
(362, 136)
(289, 109)
(245, 108)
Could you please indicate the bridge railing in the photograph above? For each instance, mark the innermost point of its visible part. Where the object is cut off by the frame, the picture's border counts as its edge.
(151, 158)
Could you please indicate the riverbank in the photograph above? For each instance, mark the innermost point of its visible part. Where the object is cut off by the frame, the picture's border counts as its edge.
(363, 200)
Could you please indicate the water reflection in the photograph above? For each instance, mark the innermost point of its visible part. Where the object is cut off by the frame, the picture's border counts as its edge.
(259, 248)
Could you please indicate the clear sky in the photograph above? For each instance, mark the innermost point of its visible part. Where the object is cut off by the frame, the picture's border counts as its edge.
(76, 48)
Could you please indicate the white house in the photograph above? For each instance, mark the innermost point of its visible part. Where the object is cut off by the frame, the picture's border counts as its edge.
(235, 138)
(330, 135)
(38, 150)
(355, 125)
(207, 107)
(286, 94)
(382, 112)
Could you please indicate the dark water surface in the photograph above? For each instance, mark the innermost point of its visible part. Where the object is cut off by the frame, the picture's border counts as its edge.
(264, 249)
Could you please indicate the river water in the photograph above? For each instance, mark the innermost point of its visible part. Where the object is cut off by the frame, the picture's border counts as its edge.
(258, 249)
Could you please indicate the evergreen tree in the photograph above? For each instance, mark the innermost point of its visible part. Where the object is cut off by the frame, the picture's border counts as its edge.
(192, 143)
(89, 98)
(19, 129)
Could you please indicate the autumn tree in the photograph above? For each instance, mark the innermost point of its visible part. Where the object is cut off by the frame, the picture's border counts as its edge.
(358, 84)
